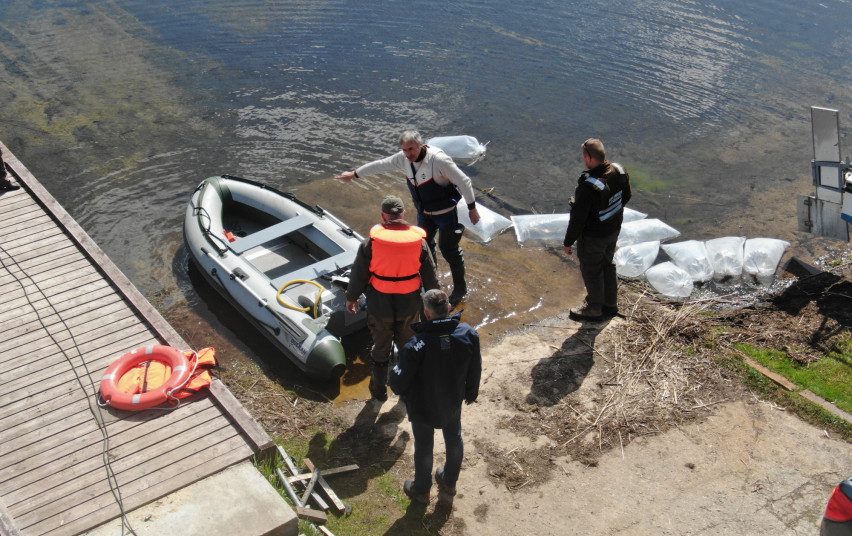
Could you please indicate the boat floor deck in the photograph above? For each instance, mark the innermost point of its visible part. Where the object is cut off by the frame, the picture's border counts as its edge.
(67, 311)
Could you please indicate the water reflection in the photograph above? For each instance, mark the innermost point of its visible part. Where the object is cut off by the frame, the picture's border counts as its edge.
(120, 109)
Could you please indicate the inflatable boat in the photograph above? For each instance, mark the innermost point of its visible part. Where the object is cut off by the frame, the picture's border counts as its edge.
(281, 263)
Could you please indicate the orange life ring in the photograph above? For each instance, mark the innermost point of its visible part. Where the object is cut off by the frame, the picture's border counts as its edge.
(171, 357)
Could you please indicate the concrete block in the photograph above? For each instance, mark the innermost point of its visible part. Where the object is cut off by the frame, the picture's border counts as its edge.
(237, 500)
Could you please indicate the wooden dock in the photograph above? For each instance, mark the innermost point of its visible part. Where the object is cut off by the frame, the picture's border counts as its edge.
(66, 311)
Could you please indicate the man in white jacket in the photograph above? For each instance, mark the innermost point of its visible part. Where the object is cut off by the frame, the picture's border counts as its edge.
(436, 184)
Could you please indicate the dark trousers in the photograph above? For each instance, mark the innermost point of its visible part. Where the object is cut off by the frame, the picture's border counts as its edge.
(385, 332)
(424, 444)
(449, 232)
(595, 255)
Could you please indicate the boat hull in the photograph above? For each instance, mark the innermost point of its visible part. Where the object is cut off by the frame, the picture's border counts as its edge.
(312, 247)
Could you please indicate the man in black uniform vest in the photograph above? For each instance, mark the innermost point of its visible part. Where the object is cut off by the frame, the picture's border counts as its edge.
(596, 214)
(436, 184)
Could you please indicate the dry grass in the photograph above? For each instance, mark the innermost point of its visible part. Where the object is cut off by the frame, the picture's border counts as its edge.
(649, 375)
(656, 368)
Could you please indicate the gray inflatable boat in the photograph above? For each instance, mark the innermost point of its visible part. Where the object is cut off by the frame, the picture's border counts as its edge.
(281, 263)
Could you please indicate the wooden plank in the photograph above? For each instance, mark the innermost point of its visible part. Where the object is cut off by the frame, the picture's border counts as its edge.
(56, 337)
(288, 461)
(35, 282)
(100, 352)
(33, 420)
(71, 292)
(26, 252)
(777, 378)
(20, 207)
(310, 487)
(22, 442)
(63, 344)
(312, 515)
(826, 405)
(14, 227)
(47, 271)
(69, 252)
(254, 433)
(28, 340)
(69, 313)
(291, 466)
(12, 196)
(70, 471)
(22, 215)
(54, 332)
(252, 430)
(32, 266)
(324, 530)
(9, 421)
(57, 362)
(152, 463)
(217, 458)
(15, 314)
(323, 472)
(53, 286)
(67, 365)
(79, 316)
(108, 347)
(25, 229)
(325, 488)
(53, 389)
(119, 430)
(58, 488)
(34, 239)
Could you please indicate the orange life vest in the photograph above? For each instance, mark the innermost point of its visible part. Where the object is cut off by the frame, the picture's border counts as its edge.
(395, 265)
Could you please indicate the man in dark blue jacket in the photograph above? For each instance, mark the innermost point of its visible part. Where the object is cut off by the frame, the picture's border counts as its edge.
(597, 211)
(438, 369)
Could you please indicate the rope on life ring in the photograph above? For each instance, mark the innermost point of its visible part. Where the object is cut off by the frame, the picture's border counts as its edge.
(171, 357)
(317, 300)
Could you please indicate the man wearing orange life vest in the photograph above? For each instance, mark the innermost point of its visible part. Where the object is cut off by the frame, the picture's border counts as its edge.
(391, 267)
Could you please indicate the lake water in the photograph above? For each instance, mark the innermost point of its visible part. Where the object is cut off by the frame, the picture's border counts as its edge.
(121, 108)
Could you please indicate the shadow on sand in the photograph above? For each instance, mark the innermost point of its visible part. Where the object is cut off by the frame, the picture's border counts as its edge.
(563, 372)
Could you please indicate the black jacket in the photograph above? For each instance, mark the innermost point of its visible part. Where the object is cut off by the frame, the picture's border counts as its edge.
(598, 206)
(438, 368)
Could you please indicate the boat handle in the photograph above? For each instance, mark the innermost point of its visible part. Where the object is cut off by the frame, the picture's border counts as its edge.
(261, 302)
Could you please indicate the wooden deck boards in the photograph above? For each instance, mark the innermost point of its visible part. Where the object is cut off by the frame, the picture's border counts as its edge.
(67, 312)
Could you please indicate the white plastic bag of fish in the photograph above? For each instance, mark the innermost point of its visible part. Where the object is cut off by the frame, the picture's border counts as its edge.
(726, 256)
(632, 215)
(632, 261)
(459, 147)
(545, 228)
(645, 230)
(669, 280)
(761, 257)
(490, 223)
(692, 257)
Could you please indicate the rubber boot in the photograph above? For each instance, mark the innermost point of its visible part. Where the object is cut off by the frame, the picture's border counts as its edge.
(379, 381)
(459, 285)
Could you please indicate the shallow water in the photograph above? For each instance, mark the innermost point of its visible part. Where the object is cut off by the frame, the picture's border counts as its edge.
(121, 108)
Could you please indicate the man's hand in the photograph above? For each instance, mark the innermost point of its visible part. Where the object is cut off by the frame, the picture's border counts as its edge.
(346, 176)
(473, 214)
(352, 306)
(568, 250)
